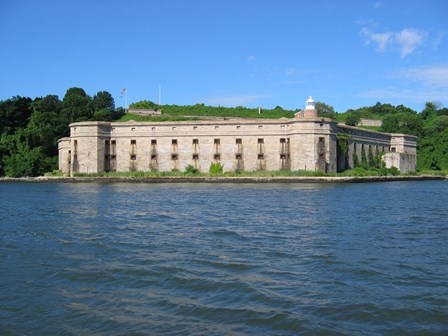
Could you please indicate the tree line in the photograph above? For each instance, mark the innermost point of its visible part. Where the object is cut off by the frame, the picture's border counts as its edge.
(30, 128)
(430, 126)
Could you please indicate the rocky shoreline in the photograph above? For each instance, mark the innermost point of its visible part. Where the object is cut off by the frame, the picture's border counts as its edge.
(223, 179)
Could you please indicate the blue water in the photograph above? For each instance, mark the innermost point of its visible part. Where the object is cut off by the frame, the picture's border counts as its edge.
(224, 259)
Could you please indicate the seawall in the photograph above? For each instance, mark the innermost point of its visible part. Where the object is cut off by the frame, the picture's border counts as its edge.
(224, 179)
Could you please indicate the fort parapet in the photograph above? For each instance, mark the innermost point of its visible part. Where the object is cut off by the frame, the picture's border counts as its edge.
(144, 112)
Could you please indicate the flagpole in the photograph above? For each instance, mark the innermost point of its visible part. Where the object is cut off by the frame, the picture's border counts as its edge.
(126, 99)
(124, 93)
(160, 95)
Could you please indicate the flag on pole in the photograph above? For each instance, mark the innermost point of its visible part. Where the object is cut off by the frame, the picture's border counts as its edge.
(123, 92)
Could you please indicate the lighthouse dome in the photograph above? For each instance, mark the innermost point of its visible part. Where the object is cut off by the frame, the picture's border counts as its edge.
(310, 104)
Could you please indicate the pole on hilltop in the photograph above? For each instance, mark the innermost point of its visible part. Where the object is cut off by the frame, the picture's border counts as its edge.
(124, 93)
(160, 95)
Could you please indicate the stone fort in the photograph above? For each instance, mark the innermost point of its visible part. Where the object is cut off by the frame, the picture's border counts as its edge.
(305, 142)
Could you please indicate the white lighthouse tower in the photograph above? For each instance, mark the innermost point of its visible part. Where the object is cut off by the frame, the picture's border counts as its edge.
(309, 104)
(310, 110)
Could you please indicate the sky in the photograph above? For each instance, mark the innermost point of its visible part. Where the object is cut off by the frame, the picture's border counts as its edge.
(253, 53)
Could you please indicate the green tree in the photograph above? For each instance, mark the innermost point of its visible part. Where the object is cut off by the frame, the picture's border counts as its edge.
(371, 159)
(390, 124)
(429, 111)
(436, 125)
(25, 161)
(364, 163)
(103, 105)
(403, 109)
(49, 103)
(103, 115)
(442, 111)
(18, 158)
(146, 104)
(43, 131)
(352, 120)
(14, 114)
(355, 160)
(47, 112)
(432, 146)
(325, 110)
(342, 145)
(411, 124)
(76, 106)
(103, 100)
(28, 144)
(118, 113)
(7, 146)
(382, 109)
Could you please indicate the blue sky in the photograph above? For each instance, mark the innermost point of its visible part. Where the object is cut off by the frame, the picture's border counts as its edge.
(252, 53)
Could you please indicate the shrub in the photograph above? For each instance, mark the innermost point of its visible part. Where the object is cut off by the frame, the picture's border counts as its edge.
(393, 171)
(355, 160)
(216, 168)
(190, 170)
(371, 159)
(364, 163)
(54, 173)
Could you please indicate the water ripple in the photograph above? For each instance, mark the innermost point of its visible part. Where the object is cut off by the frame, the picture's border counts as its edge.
(198, 259)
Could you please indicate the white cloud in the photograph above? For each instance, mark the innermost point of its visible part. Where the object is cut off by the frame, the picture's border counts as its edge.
(292, 82)
(433, 76)
(251, 58)
(234, 100)
(439, 36)
(413, 85)
(405, 94)
(378, 4)
(406, 40)
(381, 40)
(291, 72)
(367, 22)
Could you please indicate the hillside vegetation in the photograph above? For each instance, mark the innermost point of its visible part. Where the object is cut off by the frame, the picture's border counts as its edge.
(30, 128)
(202, 110)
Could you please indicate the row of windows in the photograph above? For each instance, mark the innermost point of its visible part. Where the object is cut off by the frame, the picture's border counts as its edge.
(363, 147)
(175, 156)
(238, 141)
(153, 128)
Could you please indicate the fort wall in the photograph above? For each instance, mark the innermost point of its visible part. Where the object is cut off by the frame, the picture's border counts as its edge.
(236, 144)
(240, 144)
(305, 142)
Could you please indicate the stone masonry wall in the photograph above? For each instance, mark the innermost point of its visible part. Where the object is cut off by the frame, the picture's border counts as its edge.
(64, 158)
(239, 144)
